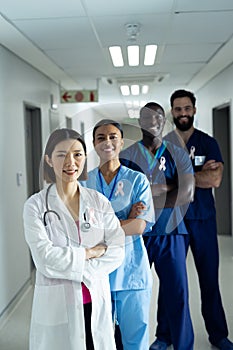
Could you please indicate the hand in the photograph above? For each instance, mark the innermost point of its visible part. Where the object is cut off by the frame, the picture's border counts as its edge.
(136, 209)
(211, 165)
(210, 175)
(96, 251)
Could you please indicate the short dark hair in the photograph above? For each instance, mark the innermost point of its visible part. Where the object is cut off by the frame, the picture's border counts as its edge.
(182, 93)
(56, 137)
(107, 122)
(151, 105)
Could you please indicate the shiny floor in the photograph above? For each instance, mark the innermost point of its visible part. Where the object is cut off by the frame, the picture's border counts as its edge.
(14, 331)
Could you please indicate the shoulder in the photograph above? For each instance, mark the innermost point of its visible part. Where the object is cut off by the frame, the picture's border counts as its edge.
(35, 203)
(201, 134)
(126, 171)
(132, 148)
(93, 171)
(36, 197)
(175, 150)
(91, 179)
(204, 138)
(133, 175)
(131, 156)
(92, 195)
(173, 138)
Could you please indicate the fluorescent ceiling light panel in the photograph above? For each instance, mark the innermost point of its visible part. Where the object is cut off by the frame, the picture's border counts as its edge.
(125, 90)
(135, 89)
(133, 55)
(150, 53)
(145, 89)
(116, 55)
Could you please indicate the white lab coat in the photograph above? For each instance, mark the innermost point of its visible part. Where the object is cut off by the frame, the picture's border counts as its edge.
(57, 321)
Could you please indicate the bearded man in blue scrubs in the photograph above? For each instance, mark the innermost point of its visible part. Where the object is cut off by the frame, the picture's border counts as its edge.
(200, 218)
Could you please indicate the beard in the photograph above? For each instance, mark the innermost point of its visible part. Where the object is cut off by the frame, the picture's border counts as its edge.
(184, 126)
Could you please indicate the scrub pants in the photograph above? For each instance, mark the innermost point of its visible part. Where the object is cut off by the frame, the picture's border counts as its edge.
(131, 310)
(174, 325)
(204, 246)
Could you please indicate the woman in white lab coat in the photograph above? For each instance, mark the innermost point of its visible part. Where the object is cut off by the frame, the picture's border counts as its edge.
(75, 240)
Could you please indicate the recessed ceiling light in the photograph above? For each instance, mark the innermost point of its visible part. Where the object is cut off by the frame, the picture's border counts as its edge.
(134, 89)
(125, 90)
(133, 55)
(145, 89)
(150, 53)
(116, 55)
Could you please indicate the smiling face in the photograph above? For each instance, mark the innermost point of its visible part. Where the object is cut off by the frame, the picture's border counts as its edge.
(183, 113)
(108, 142)
(67, 160)
(152, 121)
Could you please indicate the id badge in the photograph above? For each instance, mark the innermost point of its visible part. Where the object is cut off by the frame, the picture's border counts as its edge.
(199, 160)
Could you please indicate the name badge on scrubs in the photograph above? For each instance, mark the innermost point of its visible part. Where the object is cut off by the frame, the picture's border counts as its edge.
(199, 160)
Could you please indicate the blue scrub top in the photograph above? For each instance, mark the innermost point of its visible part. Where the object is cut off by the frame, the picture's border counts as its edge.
(131, 187)
(165, 167)
(202, 147)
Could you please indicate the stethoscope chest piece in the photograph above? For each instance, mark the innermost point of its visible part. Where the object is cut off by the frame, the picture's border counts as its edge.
(86, 226)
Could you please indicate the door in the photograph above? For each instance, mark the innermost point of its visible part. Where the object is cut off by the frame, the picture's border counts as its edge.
(33, 155)
(221, 131)
(33, 147)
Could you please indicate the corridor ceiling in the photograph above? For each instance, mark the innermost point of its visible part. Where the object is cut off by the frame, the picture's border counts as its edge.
(68, 41)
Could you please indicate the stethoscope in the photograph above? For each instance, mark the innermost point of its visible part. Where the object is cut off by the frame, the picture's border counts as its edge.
(85, 226)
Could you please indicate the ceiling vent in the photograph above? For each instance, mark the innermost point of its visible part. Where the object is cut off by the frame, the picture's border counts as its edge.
(141, 79)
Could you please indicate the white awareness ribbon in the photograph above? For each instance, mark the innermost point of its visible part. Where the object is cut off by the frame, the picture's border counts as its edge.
(119, 190)
(192, 152)
(162, 164)
(92, 218)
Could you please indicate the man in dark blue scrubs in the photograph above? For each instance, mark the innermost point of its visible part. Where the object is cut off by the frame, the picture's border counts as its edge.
(170, 173)
(200, 218)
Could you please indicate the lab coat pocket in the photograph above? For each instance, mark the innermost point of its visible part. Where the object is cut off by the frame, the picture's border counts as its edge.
(49, 305)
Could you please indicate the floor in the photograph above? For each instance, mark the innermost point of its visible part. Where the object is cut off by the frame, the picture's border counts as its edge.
(14, 331)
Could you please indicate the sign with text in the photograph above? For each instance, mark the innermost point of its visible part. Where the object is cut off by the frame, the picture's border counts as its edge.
(77, 96)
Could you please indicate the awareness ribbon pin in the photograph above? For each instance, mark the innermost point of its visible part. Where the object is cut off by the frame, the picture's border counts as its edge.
(92, 218)
(162, 164)
(192, 152)
(119, 190)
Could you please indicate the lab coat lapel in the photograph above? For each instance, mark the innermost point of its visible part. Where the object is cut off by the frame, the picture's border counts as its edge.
(67, 221)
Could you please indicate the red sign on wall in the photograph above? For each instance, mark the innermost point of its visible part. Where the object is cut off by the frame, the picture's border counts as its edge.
(77, 96)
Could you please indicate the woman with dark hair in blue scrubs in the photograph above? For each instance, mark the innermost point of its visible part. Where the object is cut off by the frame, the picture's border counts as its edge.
(131, 283)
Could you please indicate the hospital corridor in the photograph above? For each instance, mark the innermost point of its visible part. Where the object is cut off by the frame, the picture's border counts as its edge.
(71, 65)
(14, 332)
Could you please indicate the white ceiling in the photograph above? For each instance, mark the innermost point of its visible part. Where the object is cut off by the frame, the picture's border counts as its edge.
(68, 41)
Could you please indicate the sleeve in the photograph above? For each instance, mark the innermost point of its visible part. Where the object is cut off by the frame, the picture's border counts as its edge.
(114, 238)
(128, 158)
(212, 150)
(143, 194)
(52, 261)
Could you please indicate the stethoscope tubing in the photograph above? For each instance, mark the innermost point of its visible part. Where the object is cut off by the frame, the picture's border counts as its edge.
(47, 207)
(85, 225)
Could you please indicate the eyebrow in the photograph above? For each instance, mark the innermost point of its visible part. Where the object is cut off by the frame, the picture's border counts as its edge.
(74, 151)
(189, 105)
(101, 134)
